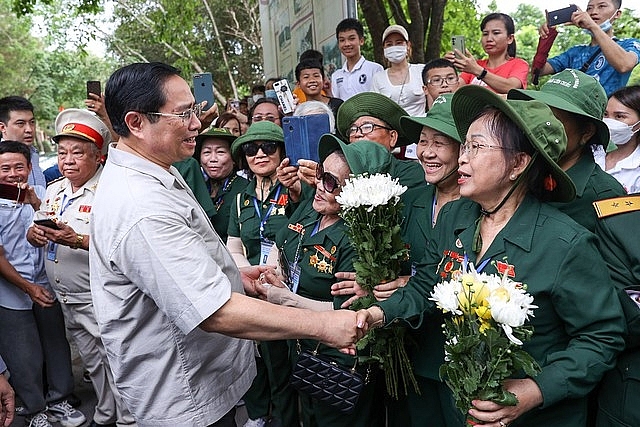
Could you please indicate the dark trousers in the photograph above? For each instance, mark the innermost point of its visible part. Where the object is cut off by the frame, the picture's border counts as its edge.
(228, 420)
(31, 339)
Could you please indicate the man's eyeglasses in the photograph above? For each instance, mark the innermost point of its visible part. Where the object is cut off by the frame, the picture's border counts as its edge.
(329, 182)
(185, 115)
(434, 144)
(268, 148)
(365, 129)
(471, 148)
(439, 81)
(261, 117)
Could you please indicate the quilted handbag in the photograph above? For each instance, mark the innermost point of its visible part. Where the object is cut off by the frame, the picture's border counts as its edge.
(325, 380)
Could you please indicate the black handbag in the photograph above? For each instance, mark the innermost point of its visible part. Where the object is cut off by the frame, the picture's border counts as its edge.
(325, 380)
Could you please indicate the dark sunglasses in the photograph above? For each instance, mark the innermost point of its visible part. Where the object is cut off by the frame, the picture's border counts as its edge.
(268, 148)
(329, 182)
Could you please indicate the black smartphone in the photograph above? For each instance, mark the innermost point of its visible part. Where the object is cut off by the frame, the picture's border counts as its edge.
(203, 89)
(458, 42)
(561, 16)
(49, 223)
(11, 192)
(93, 86)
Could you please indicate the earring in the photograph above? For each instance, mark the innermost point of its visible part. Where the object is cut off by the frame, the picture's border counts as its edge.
(513, 177)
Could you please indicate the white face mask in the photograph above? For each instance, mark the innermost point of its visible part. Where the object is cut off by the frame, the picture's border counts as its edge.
(620, 132)
(605, 26)
(395, 54)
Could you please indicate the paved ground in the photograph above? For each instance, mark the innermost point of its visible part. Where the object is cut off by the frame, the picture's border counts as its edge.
(85, 392)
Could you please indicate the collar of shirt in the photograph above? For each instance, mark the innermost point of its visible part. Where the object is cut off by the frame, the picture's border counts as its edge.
(356, 67)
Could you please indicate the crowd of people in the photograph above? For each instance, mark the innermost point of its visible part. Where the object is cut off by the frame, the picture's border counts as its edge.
(191, 260)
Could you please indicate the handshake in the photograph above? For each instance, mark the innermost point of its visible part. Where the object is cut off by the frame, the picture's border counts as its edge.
(341, 329)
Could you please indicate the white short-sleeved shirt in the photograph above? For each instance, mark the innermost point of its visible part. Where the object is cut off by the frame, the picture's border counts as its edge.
(158, 269)
(626, 171)
(345, 83)
(68, 268)
(409, 95)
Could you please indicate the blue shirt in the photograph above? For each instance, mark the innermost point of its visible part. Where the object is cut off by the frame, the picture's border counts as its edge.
(28, 260)
(36, 177)
(610, 79)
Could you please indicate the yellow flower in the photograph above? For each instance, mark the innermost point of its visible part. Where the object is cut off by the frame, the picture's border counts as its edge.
(474, 293)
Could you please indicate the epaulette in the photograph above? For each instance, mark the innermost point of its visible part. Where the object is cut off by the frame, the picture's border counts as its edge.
(55, 180)
(617, 205)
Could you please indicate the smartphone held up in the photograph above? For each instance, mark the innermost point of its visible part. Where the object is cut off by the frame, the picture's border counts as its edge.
(561, 16)
(203, 89)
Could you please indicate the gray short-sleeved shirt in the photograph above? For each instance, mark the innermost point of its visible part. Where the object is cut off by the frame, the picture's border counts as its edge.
(157, 271)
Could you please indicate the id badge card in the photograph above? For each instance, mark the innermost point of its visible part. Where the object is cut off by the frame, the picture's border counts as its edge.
(51, 251)
(265, 248)
(294, 277)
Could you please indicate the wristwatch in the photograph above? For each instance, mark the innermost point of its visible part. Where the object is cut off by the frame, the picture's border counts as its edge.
(483, 74)
(79, 241)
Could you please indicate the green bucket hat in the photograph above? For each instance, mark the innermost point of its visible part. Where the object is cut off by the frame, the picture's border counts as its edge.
(216, 133)
(258, 131)
(362, 156)
(542, 129)
(438, 117)
(374, 105)
(575, 92)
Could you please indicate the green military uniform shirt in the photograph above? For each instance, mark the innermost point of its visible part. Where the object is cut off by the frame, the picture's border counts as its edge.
(224, 198)
(245, 221)
(408, 172)
(592, 183)
(578, 325)
(619, 393)
(320, 255)
(192, 174)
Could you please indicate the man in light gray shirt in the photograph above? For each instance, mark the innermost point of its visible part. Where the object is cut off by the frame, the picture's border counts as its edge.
(168, 297)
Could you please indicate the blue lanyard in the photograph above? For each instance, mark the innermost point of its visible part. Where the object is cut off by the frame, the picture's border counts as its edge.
(433, 211)
(315, 229)
(479, 268)
(65, 204)
(256, 205)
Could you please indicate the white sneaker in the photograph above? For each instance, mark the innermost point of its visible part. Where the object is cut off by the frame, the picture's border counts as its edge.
(39, 420)
(258, 422)
(66, 414)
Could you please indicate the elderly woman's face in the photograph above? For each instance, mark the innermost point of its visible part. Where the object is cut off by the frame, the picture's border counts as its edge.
(438, 155)
(264, 163)
(215, 158)
(482, 166)
(324, 202)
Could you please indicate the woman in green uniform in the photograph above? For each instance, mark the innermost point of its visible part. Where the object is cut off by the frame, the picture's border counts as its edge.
(438, 146)
(579, 102)
(257, 214)
(312, 247)
(507, 169)
(213, 151)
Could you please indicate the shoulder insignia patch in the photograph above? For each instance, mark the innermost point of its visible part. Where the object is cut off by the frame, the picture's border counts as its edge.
(617, 205)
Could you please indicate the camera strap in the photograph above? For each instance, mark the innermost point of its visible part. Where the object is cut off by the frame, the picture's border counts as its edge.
(586, 65)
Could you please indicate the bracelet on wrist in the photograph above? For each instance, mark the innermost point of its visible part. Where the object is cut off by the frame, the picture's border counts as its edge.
(79, 241)
(482, 75)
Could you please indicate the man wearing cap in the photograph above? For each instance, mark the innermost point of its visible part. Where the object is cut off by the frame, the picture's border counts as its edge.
(579, 102)
(81, 137)
(31, 320)
(375, 117)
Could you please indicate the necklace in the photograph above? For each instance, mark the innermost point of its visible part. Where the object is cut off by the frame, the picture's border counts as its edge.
(404, 81)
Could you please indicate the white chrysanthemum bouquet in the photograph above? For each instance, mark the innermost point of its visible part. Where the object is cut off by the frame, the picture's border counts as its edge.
(371, 208)
(484, 333)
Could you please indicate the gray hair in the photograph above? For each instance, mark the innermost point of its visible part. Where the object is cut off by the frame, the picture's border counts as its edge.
(316, 107)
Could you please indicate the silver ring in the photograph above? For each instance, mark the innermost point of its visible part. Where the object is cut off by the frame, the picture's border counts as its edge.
(502, 424)
(261, 278)
(93, 105)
